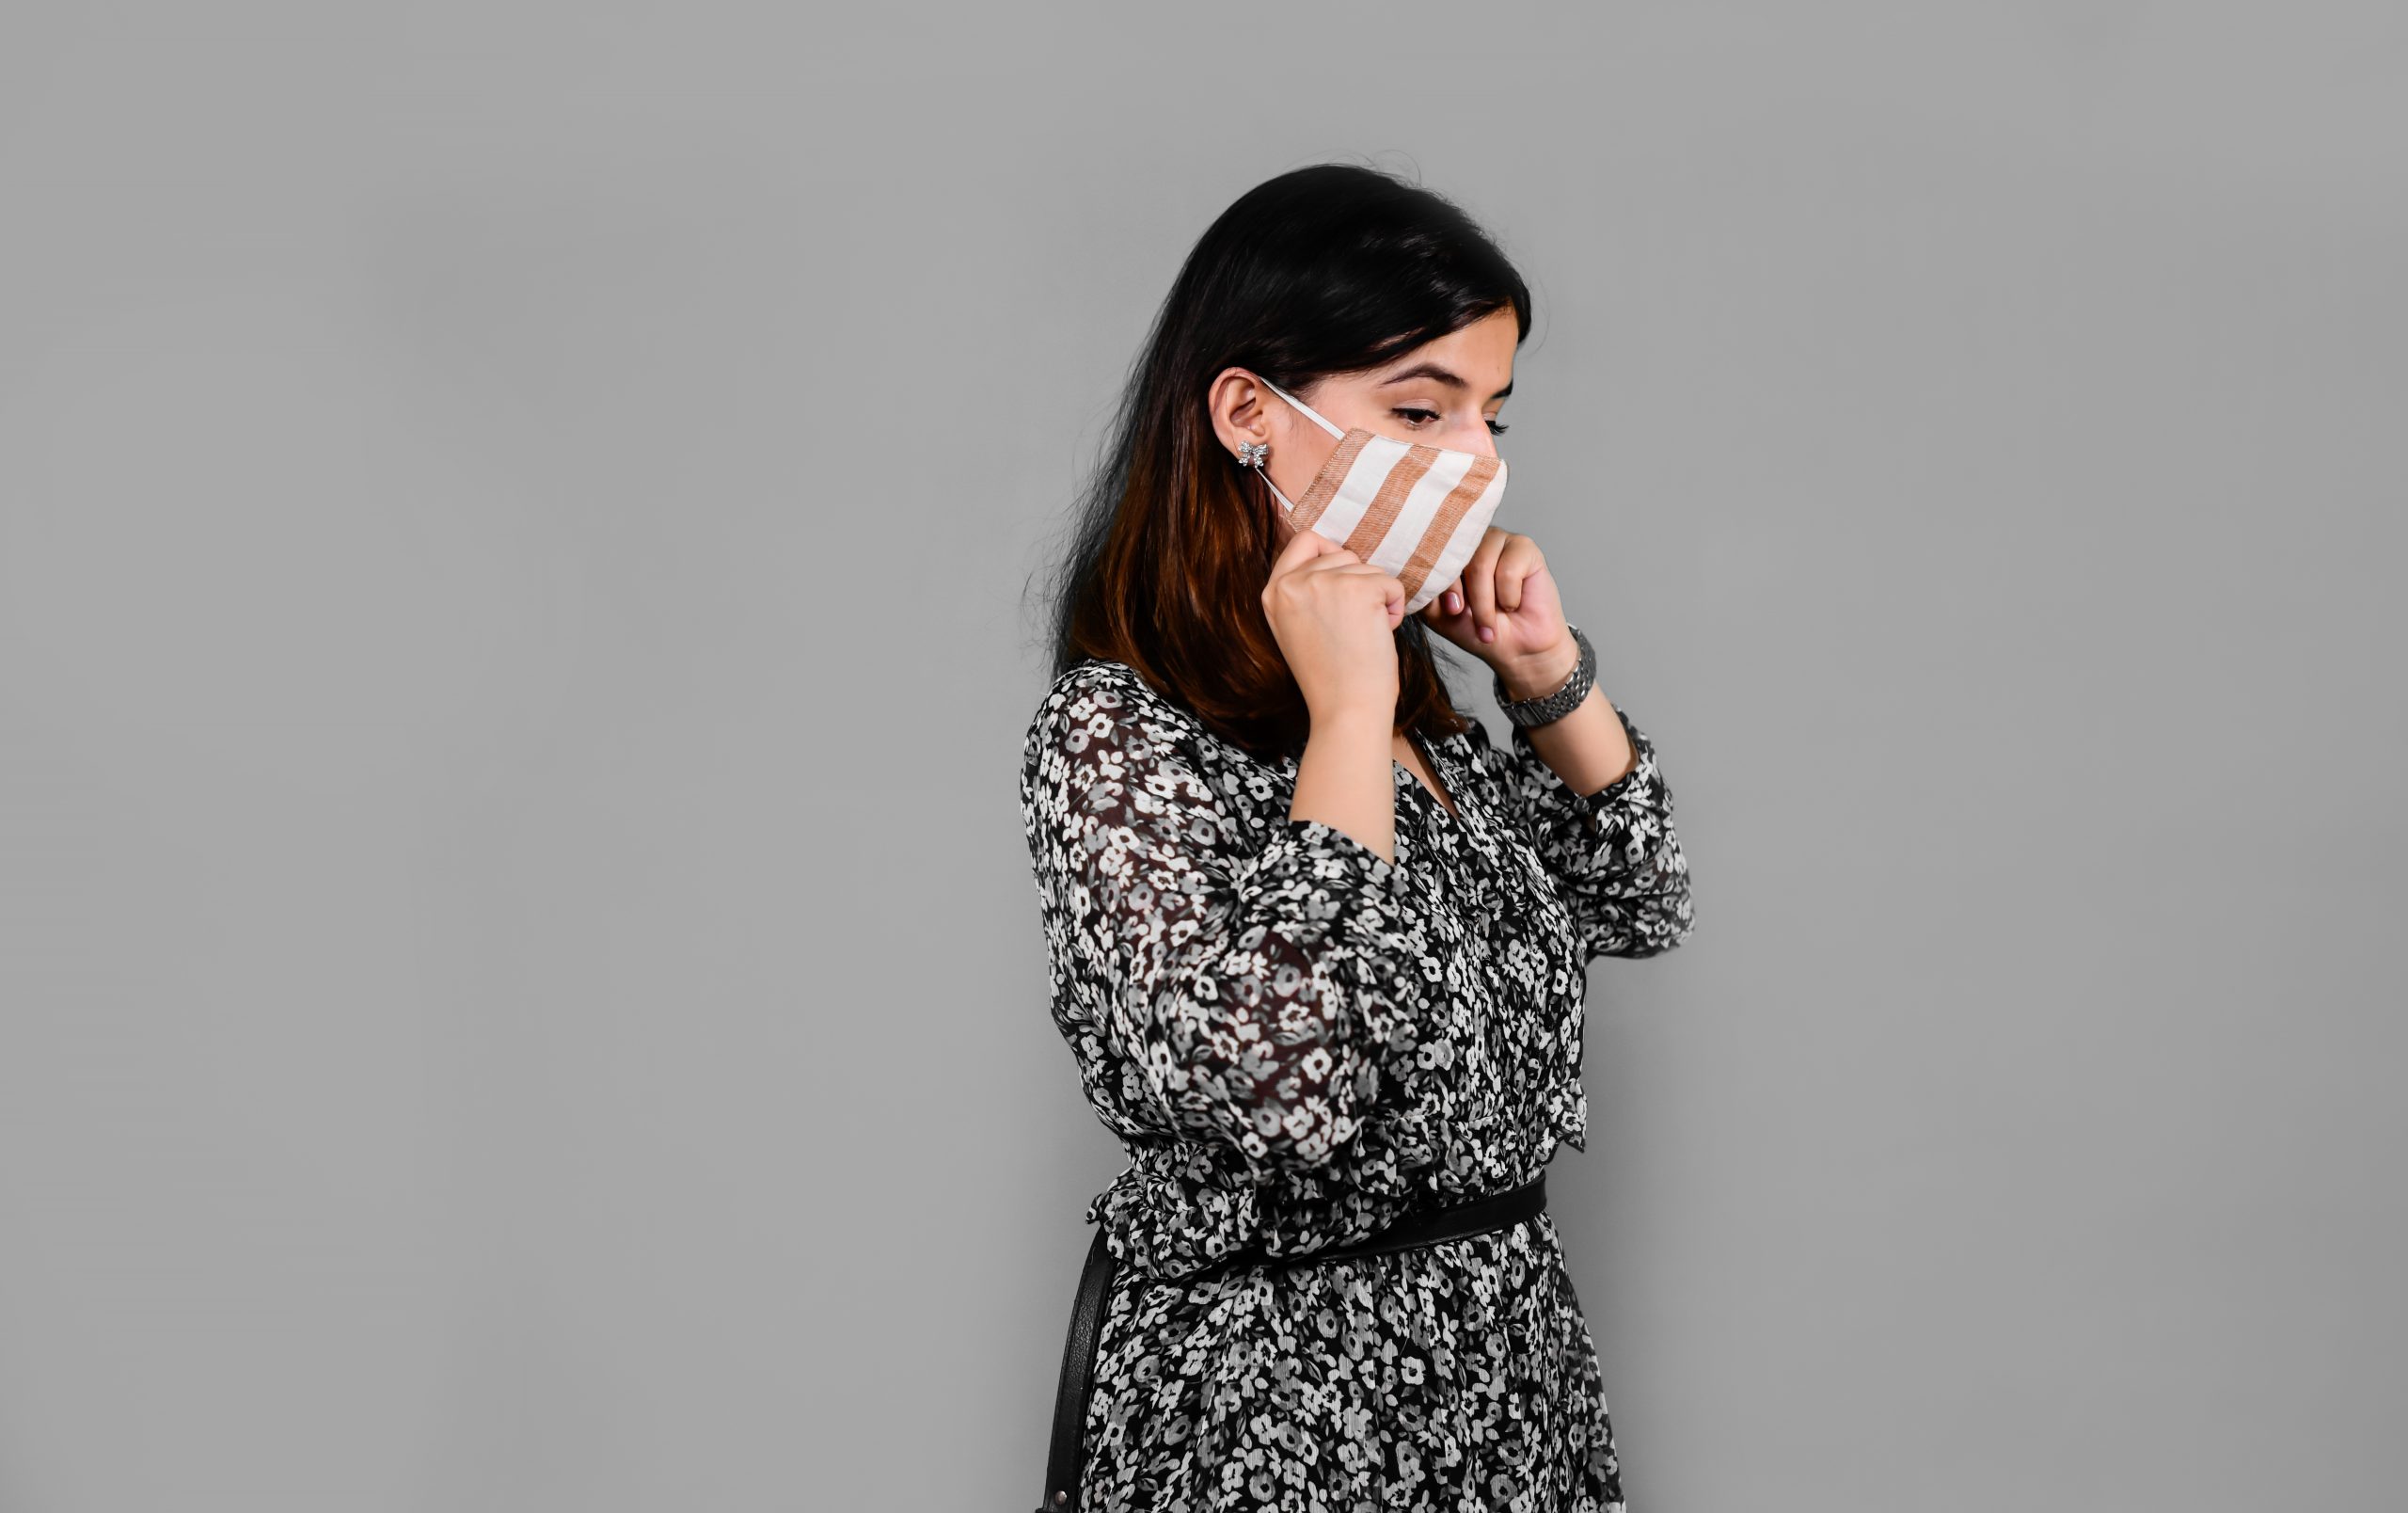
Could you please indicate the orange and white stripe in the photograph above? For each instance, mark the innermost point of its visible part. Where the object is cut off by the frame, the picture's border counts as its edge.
(1414, 512)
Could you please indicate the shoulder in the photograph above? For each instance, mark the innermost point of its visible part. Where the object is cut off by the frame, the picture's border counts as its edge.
(1105, 740)
(1102, 718)
(1099, 692)
(1090, 676)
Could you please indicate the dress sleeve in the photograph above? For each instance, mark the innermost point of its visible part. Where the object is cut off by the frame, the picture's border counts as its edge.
(1614, 852)
(1249, 992)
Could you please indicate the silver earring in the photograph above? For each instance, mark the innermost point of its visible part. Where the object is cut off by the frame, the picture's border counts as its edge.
(1250, 453)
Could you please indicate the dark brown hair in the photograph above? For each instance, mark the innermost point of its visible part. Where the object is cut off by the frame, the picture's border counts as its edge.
(1327, 269)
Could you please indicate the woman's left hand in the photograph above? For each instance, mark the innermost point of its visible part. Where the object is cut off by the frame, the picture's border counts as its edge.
(1507, 589)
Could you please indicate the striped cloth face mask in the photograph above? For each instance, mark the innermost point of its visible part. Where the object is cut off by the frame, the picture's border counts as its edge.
(1414, 512)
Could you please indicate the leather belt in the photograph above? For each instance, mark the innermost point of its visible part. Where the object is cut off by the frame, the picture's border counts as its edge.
(1429, 1227)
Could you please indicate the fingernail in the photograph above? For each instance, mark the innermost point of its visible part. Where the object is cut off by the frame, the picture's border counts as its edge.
(1487, 634)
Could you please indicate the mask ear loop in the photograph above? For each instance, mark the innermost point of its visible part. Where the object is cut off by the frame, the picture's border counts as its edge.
(1306, 408)
(1251, 452)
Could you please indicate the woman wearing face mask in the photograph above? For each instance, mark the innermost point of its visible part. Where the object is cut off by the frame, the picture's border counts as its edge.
(1319, 943)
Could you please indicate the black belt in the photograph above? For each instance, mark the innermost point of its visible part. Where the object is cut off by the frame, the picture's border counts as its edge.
(1429, 1227)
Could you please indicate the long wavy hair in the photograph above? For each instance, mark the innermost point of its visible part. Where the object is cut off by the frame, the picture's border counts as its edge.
(1327, 269)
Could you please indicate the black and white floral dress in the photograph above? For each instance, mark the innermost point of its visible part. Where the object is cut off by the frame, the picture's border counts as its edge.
(1296, 1041)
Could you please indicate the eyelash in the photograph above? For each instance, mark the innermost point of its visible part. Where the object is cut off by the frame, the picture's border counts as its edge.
(1494, 427)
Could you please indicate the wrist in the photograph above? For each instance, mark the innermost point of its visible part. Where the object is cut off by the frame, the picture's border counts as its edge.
(1357, 723)
(1540, 672)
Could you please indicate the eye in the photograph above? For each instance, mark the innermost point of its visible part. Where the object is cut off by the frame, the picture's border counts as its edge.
(1416, 418)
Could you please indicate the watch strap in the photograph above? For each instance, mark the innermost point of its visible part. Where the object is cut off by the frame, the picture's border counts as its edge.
(1547, 707)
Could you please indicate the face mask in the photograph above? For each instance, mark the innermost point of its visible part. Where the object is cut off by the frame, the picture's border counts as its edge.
(1414, 512)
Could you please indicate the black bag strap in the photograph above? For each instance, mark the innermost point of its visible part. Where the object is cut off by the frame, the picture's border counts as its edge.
(1078, 1379)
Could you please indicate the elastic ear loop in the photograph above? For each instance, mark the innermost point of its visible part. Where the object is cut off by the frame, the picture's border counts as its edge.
(1257, 463)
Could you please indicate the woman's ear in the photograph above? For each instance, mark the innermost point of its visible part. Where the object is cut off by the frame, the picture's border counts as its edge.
(1236, 402)
(1240, 404)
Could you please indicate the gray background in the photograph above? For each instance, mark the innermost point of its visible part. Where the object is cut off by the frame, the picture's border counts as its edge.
(521, 985)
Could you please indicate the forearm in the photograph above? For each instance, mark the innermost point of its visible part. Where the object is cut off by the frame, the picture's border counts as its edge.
(1346, 779)
(1588, 748)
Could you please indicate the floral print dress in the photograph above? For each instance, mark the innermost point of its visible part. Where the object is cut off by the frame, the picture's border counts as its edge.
(1297, 1041)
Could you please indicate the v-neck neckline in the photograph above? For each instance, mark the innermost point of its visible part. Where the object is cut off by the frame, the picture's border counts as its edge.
(1400, 773)
(1446, 807)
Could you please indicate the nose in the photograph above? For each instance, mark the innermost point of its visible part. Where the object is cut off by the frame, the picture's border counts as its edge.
(1482, 439)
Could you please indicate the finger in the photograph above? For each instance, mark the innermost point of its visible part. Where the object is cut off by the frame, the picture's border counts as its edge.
(1441, 607)
(1480, 584)
(1513, 566)
(1338, 561)
(1380, 586)
(1303, 546)
(1309, 547)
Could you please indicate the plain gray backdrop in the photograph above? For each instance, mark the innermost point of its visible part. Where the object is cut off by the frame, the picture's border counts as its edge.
(521, 988)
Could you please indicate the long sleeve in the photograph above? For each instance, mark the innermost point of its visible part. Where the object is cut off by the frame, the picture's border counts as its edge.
(1614, 852)
(1247, 995)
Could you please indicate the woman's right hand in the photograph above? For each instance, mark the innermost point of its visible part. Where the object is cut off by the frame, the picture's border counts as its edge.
(1335, 617)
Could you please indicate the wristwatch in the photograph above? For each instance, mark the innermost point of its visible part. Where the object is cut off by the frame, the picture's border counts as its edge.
(1549, 707)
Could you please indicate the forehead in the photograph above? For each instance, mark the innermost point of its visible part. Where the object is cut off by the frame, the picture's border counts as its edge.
(1478, 360)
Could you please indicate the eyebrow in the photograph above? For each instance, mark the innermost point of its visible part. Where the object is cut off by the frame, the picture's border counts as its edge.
(1431, 370)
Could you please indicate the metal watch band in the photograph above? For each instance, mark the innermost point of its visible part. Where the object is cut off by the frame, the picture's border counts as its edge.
(1547, 707)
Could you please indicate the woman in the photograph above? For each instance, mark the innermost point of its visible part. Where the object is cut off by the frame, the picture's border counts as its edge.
(1319, 944)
